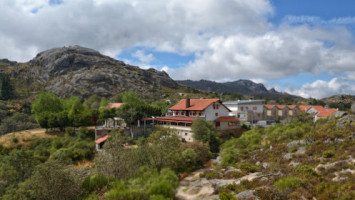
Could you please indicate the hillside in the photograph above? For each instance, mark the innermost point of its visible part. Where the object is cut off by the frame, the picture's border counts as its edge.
(244, 87)
(81, 72)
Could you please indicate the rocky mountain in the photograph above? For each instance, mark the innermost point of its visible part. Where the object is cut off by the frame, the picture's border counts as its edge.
(83, 72)
(245, 87)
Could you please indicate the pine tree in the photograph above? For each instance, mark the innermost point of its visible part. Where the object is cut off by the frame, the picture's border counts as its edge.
(7, 90)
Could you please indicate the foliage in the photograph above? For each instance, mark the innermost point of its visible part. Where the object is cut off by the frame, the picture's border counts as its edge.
(328, 154)
(17, 122)
(288, 132)
(149, 183)
(205, 132)
(288, 183)
(227, 196)
(94, 182)
(6, 87)
(236, 149)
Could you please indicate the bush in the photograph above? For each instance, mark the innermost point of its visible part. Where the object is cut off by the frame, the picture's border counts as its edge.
(227, 196)
(248, 167)
(94, 183)
(15, 140)
(328, 154)
(70, 131)
(288, 183)
(305, 170)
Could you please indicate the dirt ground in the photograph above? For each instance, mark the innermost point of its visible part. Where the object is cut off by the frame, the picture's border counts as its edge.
(26, 136)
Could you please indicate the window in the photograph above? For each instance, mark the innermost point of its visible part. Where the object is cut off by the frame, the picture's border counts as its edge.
(182, 112)
(218, 124)
(242, 108)
(246, 108)
(216, 114)
(290, 112)
(268, 112)
(280, 112)
(185, 134)
(199, 114)
(194, 113)
(255, 108)
(176, 112)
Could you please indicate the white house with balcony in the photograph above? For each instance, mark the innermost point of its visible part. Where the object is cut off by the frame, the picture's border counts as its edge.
(187, 110)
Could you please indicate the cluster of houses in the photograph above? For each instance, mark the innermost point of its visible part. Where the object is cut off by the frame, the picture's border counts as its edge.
(223, 115)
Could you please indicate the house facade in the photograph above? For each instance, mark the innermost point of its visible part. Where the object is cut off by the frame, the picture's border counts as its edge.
(187, 110)
(279, 112)
(246, 110)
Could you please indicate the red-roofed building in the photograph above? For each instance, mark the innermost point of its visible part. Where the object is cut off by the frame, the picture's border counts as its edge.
(280, 112)
(187, 110)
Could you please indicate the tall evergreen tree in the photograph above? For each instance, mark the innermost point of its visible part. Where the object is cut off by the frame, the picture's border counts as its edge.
(7, 89)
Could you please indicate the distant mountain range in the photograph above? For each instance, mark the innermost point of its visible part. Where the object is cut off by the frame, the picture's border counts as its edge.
(244, 87)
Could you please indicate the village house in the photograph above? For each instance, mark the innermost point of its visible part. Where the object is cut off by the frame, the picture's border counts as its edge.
(246, 110)
(280, 112)
(186, 111)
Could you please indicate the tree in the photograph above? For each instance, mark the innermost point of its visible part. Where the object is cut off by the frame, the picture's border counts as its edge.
(46, 102)
(204, 131)
(7, 89)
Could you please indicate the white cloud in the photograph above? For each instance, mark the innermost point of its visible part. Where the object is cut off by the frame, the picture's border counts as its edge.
(143, 57)
(320, 89)
(291, 19)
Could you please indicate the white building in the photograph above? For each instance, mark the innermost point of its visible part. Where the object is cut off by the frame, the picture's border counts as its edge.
(186, 110)
(246, 110)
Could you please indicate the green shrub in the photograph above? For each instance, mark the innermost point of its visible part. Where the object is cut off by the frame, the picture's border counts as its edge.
(248, 167)
(328, 154)
(94, 183)
(70, 131)
(305, 170)
(227, 196)
(15, 140)
(162, 188)
(288, 183)
(92, 197)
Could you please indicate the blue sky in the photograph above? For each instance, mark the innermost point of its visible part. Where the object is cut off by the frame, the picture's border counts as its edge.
(303, 47)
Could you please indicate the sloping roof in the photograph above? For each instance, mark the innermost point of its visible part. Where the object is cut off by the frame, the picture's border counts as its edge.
(195, 104)
(319, 108)
(100, 140)
(304, 107)
(291, 106)
(115, 105)
(227, 119)
(173, 119)
(269, 106)
(280, 106)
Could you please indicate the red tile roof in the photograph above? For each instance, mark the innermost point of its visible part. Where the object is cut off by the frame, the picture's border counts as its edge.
(115, 105)
(227, 119)
(269, 106)
(195, 104)
(326, 112)
(304, 108)
(291, 106)
(100, 140)
(319, 108)
(280, 106)
(173, 119)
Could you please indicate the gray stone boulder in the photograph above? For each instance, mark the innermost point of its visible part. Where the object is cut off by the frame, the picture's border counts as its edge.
(287, 156)
(247, 195)
(346, 120)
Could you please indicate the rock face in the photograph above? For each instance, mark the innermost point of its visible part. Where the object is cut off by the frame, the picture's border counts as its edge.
(345, 121)
(83, 72)
(245, 87)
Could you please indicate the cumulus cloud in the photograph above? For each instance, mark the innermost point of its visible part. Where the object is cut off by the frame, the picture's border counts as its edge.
(230, 39)
(110, 26)
(143, 57)
(320, 89)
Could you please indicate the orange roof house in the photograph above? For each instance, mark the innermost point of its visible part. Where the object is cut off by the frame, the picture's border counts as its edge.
(195, 104)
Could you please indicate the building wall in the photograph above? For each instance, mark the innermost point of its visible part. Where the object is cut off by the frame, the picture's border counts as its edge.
(210, 112)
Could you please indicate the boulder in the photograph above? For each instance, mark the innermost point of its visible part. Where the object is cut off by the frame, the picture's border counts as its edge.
(247, 195)
(345, 121)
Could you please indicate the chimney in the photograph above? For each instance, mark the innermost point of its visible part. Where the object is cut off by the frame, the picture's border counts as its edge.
(187, 103)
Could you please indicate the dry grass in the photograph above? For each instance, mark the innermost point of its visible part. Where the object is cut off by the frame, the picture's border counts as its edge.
(26, 136)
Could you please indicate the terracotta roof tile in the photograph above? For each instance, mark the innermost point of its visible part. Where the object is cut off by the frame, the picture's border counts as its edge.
(100, 140)
(269, 106)
(291, 106)
(195, 104)
(280, 106)
(304, 107)
(173, 119)
(319, 108)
